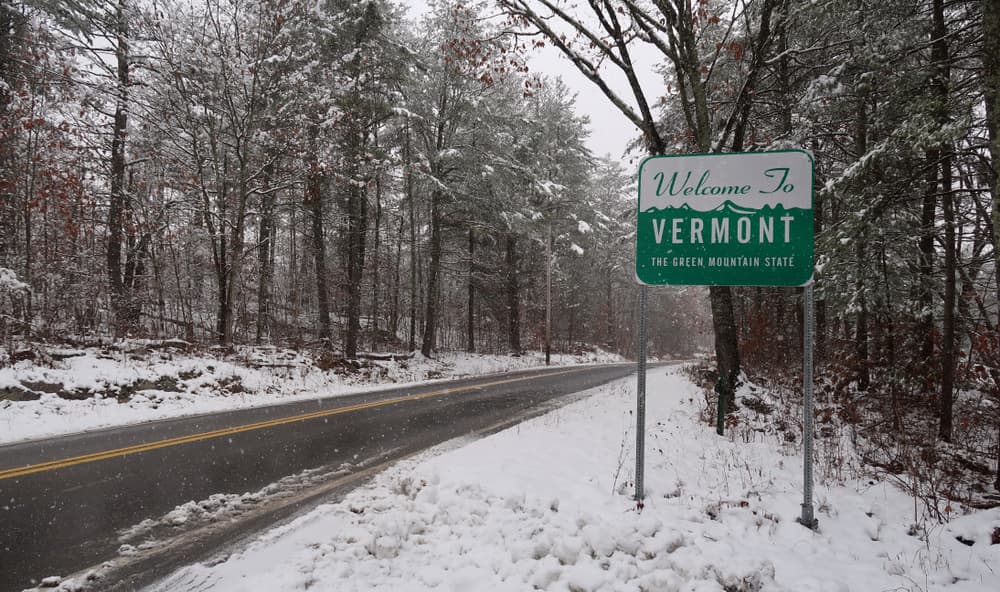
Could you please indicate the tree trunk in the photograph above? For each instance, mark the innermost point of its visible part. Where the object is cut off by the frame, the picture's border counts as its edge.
(137, 255)
(609, 315)
(28, 246)
(223, 309)
(433, 277)
(783, 67)
(939, 86)
(265, 261)
(376, 263)
(236, 243)
(861, 330)
(11, 31)
(361, 135)
(819, 220)
(408, 155)
(118, 200)
(314, 204)
(396, 279)
(861, 352)
(159, 286)
(513, 295)
(727, 352)
(470, 331)
(723, 320)
(548, 295)
(928, 213)
(948, 332)
(221, 252)
(293, 298)
(357, 228)
(991, 87)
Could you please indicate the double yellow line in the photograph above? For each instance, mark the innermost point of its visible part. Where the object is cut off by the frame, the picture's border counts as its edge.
(140, 448)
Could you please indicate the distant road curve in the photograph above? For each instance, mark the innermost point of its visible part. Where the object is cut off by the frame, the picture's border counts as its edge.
(64, 500)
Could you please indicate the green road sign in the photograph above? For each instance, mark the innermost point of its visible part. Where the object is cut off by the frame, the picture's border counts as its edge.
(740, 219)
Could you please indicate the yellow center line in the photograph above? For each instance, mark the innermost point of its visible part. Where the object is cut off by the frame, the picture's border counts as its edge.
(139, 448)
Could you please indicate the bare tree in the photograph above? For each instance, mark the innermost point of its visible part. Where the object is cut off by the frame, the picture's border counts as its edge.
(991, 80)
(607, 34)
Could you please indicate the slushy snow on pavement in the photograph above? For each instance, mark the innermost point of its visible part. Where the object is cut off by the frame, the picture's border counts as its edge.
(547, 505)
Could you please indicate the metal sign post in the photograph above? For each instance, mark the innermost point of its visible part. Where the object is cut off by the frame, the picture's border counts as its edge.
(739, 219)
(640, 403)
(808, 338)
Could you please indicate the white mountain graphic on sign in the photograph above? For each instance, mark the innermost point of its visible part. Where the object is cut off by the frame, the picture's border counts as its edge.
(727, 207)
(654, 209)
(730, 207)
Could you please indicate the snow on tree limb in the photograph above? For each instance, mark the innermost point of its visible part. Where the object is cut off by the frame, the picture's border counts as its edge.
(586, 66)
(10, 283)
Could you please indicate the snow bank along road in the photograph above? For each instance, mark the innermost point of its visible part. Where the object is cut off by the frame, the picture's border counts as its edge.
(65, 502)
(547, 506)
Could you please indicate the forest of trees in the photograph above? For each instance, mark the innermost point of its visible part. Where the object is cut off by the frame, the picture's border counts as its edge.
(898, 101)
(301, 172)
(305, 173)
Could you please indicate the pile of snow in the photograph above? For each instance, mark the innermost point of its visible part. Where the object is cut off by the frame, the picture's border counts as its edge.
(546, 506)
(76, 390)
(10, 283)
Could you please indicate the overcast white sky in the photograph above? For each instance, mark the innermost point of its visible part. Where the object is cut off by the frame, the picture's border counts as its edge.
(611, 132)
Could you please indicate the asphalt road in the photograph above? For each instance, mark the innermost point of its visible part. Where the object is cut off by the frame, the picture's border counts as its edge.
(64, 501)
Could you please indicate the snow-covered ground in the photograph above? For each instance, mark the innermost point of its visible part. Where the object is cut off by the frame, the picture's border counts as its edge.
(547, 505)
(104, 388)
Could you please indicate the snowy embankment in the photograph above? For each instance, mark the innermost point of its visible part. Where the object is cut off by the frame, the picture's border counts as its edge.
(73, 390)
(546, 505)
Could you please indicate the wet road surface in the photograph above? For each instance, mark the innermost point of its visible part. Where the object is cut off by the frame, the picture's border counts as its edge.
(64, 500)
